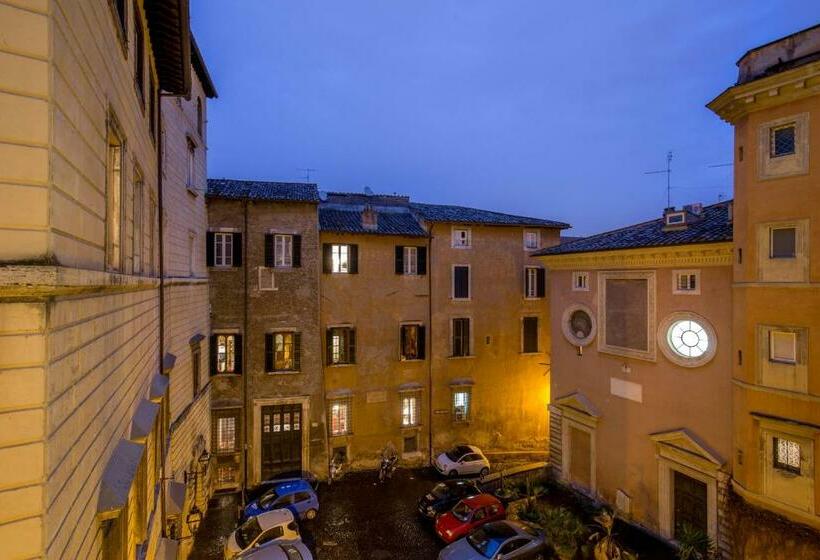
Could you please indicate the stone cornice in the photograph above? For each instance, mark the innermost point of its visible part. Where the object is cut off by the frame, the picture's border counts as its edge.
(702, 254)
(47, 280)
(738, 101)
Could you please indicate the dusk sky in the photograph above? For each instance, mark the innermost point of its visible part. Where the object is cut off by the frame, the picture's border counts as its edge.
(538, 108)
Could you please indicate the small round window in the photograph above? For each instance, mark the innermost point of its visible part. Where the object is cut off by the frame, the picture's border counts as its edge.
(578, 325)
(688, 339)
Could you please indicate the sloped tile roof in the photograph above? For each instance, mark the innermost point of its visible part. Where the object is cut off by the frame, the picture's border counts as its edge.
(263, 190)
(465, 215)
(714, 227)
(349, 220)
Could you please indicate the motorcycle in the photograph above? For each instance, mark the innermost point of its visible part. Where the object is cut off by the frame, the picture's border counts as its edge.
(335, 468)
(388, 467)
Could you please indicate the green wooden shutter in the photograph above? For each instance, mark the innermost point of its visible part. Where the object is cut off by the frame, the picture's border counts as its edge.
(297, 351)
(399, 259)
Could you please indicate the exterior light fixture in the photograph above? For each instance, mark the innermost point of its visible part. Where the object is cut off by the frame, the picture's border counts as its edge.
(193, 519)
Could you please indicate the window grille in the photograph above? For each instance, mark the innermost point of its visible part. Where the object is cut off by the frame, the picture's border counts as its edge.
(410, 409)
(226, 434)
(341, 345)
(782, 140)
(340, 417)
(462, 399)
(786, 455)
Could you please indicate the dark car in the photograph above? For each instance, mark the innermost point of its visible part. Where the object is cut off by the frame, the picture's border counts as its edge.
(445, 495)
(279, 478)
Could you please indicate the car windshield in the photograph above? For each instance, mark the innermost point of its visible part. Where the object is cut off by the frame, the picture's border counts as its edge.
(457, 452)
(247, 532)
(268, 498)
(483, 543)
(440, 490)
(462, 511)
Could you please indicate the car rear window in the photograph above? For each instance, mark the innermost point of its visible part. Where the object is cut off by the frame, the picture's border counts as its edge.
(458, 452)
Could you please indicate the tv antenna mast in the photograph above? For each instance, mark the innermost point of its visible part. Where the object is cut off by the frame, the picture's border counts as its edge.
(668, 172)
(307, 171)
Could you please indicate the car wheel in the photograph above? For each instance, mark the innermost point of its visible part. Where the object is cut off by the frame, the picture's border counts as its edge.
(484, 472)
(453, 473)
(311, 514)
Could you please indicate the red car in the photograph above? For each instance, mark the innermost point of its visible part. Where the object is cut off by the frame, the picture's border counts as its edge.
(468, 514)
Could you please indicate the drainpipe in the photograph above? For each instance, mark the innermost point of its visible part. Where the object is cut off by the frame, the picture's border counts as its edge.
(430, 346)
(160, 206)
(245, 370)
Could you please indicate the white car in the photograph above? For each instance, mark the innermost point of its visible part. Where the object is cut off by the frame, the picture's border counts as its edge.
(278, 551)
(277, 525)
(461, 460)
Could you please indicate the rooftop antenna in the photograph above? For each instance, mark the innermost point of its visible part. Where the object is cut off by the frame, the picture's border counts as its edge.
(721, 165)
(668, 172)
(307, 171)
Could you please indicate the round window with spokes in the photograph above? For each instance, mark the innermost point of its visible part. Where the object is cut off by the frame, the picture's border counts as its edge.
(687, 339)
(578, 325)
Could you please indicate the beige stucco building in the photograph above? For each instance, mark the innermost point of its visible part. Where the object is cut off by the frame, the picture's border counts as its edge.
(641, 369)
(774, 108)
(85, 409)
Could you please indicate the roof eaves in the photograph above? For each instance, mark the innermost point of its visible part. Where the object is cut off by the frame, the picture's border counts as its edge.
(170, 32)
(201, 70)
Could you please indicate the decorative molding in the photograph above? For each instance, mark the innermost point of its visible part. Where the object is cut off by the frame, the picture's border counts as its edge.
(650, 354)
(682, 446)
(565, 325)
(669, 352)
(791, 395)
(679, 256)
(49, 280)
(777, 507)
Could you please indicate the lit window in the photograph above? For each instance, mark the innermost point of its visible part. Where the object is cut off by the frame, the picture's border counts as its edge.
(283, 250)
(531, 240)
(580, 281)
(412, 342)
(339, 417)
(340, 255)
(114, 199)
(783, 347)
(409, 410)
(786, 455)
(461, 337)
(782, 140)
(226, 353)
(341, 345)
(411, 260)
(461, 405)
(461, 237)
(284, 351)
(783, 243)
(223, 249)
(688, 338)
(226, 434)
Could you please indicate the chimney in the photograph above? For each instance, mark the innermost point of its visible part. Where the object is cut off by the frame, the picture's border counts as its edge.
(370, 218)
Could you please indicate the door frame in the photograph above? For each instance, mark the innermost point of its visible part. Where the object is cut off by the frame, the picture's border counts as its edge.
(666, 495)
(256, 472)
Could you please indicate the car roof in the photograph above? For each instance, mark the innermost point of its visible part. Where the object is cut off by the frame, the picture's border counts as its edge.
(274, 517)
(500, 530)
(481, 500)
(474, 449)
(463, 449)
(292, 486)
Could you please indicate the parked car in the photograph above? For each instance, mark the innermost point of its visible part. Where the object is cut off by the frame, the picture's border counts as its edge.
(278, 551)
(279, 478)
(461, 460)
(467, 515)
(298, 496)
(501, 540)
(445, 495)
(275, 525)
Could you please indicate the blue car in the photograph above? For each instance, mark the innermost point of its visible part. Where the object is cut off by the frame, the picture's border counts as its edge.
(296, 495)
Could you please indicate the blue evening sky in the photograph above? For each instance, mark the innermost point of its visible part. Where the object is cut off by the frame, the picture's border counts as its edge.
(531, 107)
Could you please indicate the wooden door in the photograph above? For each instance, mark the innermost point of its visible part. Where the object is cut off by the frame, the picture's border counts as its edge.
(281, 439)
(690, 503)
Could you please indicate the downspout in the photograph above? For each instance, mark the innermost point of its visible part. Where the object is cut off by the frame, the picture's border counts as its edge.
(245, 370)
(430, 346)
(161, 299)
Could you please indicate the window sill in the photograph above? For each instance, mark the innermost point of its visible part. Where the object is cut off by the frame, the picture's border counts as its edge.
(461, 246)
(226, 374)
(533, 298)
(345, 434)
(470, 357)
(283, 372)
(461, 299)
(411, 360)
(339, 365)
(536, 353)
(224, 267)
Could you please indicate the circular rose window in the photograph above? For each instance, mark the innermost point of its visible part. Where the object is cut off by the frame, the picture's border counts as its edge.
(578, 325)
(687, 339)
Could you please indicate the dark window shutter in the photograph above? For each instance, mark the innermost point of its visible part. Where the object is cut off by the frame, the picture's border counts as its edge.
(422, 260)
(327, 260)
(238, 353)
(329, 346)
(351, 346)
(297, 351)
(297, 251)
(399, 259)
(209, 248)
(402, 340)
(268, 351)
(530, 334)
(269, 250)
(461, 285)
(354, 259)
(237, 249)
(212, 353)
(541, 282)
(422, 341)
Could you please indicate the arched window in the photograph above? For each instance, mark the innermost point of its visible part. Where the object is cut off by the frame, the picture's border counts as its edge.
(199, 116)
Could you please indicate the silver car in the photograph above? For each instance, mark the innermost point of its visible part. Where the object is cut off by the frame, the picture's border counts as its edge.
(278, 551)
(499, 540)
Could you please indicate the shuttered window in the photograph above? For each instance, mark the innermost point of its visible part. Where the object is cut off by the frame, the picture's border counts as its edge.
(461, 337)
(283, 351)
(412, 340)
(226, 353)
(411, 261)
(534, 282)
(340, 258)
(341, 345)
(461, 282)
(223, 249)
(530, 334)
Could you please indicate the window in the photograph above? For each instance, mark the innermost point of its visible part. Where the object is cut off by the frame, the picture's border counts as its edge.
(786, 455)
(199, 118)
(783, 347)
(535, 282)
(461, 282)
(461, 404)
(196, 357)
(341, 345)
(687, 339)
(283, 351)
(529, 337)
(411, 261)
(139, 202)
(139, 56)
(114, 536)
(580, 281)
(783, 244)
(686, 282)
(412, 340)
(531, 240)
(409, 409)
(225, 430)
(113, 219)
(223, 245)
(462, 238)
(152, 107)
(411, 444)
(781, 140)
(283, 250)
(675, 218)
(627, 303)
(226, 353)
(578, 325)
(190, 176)
(152, 236)
(191, 252)
(461, 337)
(340, 258)
(340, 417)
(119, 7)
